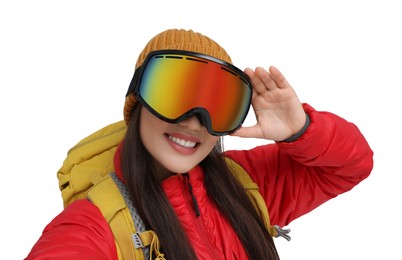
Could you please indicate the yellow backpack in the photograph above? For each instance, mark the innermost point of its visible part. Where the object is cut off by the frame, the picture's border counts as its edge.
(88, 172)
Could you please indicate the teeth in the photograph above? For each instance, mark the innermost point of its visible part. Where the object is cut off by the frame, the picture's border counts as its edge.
(187, 144)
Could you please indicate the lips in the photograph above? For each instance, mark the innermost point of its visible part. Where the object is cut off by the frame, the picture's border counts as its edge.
(182, 142)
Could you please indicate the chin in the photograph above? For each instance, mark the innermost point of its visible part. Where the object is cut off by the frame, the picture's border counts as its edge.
(180, 164)
(179, 167)
(181, 170)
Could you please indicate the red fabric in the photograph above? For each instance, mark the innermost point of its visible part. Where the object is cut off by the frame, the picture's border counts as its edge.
(80, 232)
(331, 157)
(210, 233)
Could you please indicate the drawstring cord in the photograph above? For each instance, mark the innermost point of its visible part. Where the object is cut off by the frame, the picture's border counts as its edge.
(149, 238)
(190, 189)
(155, 247)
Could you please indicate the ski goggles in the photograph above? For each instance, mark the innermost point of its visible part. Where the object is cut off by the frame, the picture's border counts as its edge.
(175, 85)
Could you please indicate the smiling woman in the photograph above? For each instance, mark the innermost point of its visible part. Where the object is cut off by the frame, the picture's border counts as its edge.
(175, 186)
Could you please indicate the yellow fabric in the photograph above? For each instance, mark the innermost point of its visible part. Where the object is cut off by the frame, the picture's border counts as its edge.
(85, 174)
(253, 192)
(150, 238)
(90, 159)
(107, 197)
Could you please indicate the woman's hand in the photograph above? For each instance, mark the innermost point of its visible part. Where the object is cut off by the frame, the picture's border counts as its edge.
(277, 108)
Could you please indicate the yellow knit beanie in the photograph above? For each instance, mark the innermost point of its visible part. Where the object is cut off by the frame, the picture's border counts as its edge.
(176, 39)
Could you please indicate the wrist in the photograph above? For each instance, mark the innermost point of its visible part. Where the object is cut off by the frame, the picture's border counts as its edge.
(300, 132)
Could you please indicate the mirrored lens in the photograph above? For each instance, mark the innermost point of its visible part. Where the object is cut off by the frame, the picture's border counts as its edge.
(175, 84)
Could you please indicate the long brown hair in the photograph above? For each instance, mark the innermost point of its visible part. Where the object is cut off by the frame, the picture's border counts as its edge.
(222, 188)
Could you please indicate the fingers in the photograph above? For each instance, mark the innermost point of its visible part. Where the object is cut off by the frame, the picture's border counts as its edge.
(248, 132)
(264, 80)
(267, 79)
(256, 81)
(278, 77)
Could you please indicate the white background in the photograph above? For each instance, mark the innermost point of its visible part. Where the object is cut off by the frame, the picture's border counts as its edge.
(65, 67)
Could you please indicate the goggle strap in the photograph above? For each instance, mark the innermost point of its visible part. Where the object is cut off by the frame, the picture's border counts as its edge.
(134, 80)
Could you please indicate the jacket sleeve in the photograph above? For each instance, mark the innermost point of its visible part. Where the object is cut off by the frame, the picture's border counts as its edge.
(79, 232)
(330, 158)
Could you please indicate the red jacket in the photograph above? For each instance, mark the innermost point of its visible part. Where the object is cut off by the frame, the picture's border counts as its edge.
(330, 158)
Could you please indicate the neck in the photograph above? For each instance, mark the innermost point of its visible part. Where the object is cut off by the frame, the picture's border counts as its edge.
(161, 172)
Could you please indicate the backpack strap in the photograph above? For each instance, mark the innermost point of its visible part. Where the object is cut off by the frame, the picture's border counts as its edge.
(256, 198)
(110, 195)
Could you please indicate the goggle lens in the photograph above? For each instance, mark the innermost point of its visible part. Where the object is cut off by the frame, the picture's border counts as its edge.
(176, 86)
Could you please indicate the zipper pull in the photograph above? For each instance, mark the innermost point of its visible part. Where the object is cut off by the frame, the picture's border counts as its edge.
(190, 189)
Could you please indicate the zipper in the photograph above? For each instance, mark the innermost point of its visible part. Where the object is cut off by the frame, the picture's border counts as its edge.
(199, 224)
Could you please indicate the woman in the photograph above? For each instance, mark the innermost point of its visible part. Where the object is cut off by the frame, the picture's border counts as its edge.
(185, 95)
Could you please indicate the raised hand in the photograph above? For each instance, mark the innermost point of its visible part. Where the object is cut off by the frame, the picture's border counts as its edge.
(277, 108)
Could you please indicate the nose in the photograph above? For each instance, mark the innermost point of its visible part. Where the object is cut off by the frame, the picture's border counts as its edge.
(192, 123)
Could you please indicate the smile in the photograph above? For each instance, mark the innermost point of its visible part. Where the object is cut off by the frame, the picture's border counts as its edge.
(182, 142)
